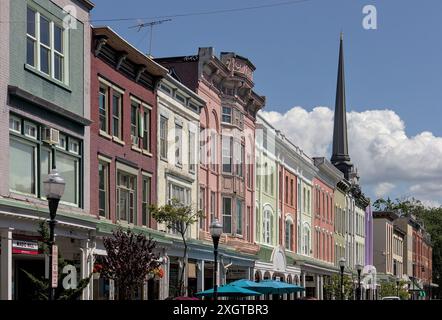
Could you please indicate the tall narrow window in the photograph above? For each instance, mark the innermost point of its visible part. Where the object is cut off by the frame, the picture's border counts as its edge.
(163, 137)
(266, 177)
(178, 144)
(291, 192)
(103, 107)
(286, 189)
(31, 38)
(146, 184)
(288, 235)
(213, 150)
(134, 121)
(103, 189)
(227, 154)
(202, 207)
(267, 226)
(146, 129)
(227, 215)
(212, 205)
(45, 45)
(249, 166)
(116, 115)
(203, 150)
(239, 217)
(126, 197)
(192, 158)
(227, 115)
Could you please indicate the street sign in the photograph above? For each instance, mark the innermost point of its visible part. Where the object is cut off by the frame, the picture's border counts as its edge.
(54, 276)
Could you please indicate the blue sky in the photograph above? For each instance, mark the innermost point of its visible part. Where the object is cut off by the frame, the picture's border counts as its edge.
(295, 49)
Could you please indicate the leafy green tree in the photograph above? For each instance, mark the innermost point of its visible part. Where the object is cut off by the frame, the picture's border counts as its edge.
(130, 259)
(40, 285)
(332, 287)
(178, 217)
(389, 288)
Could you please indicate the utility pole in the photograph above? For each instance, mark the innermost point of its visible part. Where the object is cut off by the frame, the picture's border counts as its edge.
(150, 24)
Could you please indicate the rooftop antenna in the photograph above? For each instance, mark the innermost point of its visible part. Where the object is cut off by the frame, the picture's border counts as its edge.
(150, 24)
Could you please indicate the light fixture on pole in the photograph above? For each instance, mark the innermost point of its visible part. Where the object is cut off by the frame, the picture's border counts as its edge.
(216, 230)
(342, 266)
(359, 268)
(53, 188)
(398, 282)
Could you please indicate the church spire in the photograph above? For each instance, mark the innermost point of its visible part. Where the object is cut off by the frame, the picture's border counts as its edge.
(340, 157)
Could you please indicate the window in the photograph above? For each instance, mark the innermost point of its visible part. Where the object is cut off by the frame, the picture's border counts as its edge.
(203, 151)
(192, 152)
(126, 197)
(178, 144)
(146, 129)
(291, 192)
(166, 89)
(267, 226)
(14, 124)
(272, 179)
(22, 166)
(103, 107)
(239, 158)
(180, 98)
(288, 235)
(30, 130)
(213, 150)
(249, 171)
(227, 215)
(212, 205)
(145, 218)
(239, 217)
(306, 249)
(180, 193)
(45, 45)
(116, 115)
(287, 189)
(227, 154)
(74, 146)
(266, 177)
(163, 137)
(134, 121)
(103, 189)
(227, 115)
(202, 207)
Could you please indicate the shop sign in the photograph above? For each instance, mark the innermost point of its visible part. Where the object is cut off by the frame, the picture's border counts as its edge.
(24, 247)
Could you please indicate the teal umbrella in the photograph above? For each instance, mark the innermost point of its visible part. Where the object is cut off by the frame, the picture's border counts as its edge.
(229, 291)
(268, 286)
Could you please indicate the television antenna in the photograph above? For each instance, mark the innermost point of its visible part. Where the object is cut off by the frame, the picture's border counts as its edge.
(150, 24)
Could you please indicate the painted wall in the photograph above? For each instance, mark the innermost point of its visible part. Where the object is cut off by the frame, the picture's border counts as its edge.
(340, 220)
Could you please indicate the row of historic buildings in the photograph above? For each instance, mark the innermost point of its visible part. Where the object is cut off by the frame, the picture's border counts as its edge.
(126, 130)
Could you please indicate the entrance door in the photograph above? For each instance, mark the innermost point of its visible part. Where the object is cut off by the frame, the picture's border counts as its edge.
(24, 287)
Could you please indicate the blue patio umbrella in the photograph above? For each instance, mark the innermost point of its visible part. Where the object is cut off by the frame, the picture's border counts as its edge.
(229, 291)
(268, 286)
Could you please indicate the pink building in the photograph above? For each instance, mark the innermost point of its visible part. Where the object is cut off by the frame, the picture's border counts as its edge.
(226, 173)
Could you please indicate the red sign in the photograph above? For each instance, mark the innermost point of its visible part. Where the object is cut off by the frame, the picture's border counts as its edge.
(54, 275)
(25, 247)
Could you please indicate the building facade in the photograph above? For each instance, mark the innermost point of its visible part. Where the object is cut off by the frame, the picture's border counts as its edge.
(44, 124)
(123, 143)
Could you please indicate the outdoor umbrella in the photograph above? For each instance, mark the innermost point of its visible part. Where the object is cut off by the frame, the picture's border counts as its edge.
(281, 287)
(252, 285)
(229, 291)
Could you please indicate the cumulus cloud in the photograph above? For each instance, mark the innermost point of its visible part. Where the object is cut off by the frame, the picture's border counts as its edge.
(387, 159)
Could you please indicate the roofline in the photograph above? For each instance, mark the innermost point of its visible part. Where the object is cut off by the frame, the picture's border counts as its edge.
(88, 4)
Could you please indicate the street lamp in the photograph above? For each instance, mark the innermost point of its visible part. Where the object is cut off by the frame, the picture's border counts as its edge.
(54, 188)
(359, 268)
(342, 265)
(216, 230)
(398, 281)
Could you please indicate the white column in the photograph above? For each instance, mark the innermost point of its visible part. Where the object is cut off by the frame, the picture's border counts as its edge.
(200, 279)
(304, 293)
(6, 264)
(321, 288)
(318, 284)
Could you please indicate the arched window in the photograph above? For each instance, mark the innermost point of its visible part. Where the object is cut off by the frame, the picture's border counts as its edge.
(267, 226)
(289, 234)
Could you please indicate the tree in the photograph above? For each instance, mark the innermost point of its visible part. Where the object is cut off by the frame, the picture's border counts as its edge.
(333, 287)
(40, 286)
(130, 259)
(389, 289)
(178, 217)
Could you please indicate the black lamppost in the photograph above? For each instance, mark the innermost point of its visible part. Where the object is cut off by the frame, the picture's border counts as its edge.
(398, 282)
(342, 266)
(216, 230)
(54, 188)
(359, 268)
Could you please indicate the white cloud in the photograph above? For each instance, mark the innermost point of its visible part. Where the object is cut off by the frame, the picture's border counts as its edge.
(383, 189)
(379, 147)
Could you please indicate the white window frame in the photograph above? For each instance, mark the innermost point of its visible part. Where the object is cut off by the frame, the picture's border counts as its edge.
(51, 48)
